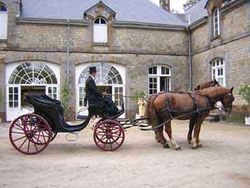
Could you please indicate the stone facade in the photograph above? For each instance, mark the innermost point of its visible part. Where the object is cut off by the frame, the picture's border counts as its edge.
(232, 45)
(135, 47)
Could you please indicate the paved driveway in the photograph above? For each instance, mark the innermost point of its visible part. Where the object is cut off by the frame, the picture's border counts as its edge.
(224, 161)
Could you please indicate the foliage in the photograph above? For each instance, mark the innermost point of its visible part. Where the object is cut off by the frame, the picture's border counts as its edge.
(139, 94)
(245, 93)
(65, 97)
(190, 3)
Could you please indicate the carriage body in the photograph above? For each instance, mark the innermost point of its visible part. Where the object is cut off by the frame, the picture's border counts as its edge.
(31, 133)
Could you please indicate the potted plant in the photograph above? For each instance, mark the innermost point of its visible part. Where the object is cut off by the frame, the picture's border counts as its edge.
(245, 93)
(65, 97)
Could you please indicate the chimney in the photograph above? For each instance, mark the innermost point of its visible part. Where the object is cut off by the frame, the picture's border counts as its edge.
(165, 4)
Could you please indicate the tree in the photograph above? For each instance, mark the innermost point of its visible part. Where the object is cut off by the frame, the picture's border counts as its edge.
(190, 3)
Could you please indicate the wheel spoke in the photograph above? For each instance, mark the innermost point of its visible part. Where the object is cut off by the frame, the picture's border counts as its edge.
(18, 132)
(35, 147)
(28, 147)
(19, 138)
(23, 143)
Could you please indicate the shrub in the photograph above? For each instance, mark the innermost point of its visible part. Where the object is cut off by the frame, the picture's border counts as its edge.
(245, 93)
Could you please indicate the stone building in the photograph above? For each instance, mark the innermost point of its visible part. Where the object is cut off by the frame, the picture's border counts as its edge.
(135, 45)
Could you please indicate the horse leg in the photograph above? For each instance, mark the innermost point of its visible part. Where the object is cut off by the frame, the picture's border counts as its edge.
(195, 141)
(191, 128)
(160, 137)
(172, 144)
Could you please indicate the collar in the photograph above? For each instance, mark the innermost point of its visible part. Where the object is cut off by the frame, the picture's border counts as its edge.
(92, 77)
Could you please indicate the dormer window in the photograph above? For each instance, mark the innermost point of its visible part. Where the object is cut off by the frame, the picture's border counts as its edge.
(100, 30)
(3, 22)
(216, 22)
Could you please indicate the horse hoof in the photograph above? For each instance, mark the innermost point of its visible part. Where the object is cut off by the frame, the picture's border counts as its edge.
(200, 145)
(165, 145)
(178, 148)
(195, 146)
(189, 141)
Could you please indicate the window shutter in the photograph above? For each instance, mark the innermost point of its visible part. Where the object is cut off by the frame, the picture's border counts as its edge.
(3, 25)
(100, 33)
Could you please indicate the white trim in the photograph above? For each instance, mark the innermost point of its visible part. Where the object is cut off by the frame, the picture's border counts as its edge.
(81, 68)
(216, 22)
(13, 113)
(3, 24)
(158, 76)
(218, 65)
(100, 31)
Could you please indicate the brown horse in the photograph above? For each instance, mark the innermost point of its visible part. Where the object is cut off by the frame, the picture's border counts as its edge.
(163, 107)
(211, 83)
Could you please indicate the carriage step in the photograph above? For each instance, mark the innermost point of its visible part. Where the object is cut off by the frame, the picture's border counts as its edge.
(213, 117)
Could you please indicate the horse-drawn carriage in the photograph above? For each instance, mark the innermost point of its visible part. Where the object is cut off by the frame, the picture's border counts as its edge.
(31, 133)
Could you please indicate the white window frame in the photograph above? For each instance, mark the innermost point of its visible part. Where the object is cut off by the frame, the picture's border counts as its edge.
(216, 22)
(157, 78)
(52, 91)
(100, 30)
(219, 71)
(3, 23)
(13, 100)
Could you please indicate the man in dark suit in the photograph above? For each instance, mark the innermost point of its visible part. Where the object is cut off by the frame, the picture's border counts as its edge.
(93, 95)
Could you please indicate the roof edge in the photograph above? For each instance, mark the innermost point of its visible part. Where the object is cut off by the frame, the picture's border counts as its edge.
(144, 25)
(51, 21)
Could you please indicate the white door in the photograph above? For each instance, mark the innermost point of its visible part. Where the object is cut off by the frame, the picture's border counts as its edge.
(13, 102)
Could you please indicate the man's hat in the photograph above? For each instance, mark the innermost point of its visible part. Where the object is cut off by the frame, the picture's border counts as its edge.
(92, 70)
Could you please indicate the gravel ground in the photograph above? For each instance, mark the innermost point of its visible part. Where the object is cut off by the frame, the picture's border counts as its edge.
(223, 161)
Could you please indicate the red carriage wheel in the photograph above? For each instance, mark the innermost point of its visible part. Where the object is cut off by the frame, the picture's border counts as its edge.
(30, 134)
(109, 135)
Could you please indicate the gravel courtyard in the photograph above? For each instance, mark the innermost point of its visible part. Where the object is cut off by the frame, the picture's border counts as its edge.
(223, 161)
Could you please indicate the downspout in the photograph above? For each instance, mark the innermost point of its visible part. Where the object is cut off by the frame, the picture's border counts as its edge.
(67, 51)
(190, 63)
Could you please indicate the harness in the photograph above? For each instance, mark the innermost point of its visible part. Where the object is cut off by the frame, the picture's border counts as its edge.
(196, 112)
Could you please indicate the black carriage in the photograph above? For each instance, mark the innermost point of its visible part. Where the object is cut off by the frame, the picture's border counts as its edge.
(31, 133)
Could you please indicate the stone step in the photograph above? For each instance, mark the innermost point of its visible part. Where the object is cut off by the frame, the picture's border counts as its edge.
(213, 117)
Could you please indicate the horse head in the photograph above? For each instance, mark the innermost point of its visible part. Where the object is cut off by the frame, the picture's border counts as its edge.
(211, 83)
(227, 100)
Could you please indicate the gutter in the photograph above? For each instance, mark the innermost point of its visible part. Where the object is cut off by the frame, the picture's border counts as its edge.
(190, 63)
(67, 50)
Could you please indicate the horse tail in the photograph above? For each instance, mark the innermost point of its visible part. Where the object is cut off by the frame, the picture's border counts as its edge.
(151, 111)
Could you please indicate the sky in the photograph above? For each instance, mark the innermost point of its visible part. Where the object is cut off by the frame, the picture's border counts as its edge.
(174, 4)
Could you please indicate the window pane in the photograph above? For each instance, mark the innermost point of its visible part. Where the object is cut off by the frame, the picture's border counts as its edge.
(3, 8)
(165, 70)
(153, 70)
(103, 21)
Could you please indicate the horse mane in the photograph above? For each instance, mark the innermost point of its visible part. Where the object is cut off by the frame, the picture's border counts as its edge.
(213, 91)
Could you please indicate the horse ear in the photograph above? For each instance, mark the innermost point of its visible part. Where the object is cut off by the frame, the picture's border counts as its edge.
(232, 89)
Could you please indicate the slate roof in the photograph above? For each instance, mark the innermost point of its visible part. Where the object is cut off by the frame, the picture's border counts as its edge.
(196, 12)
(142, 11)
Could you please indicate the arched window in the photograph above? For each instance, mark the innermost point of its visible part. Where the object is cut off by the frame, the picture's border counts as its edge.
(218, 71)
(107, 77)
(216, 22)
(3, 21)
(159, 79)
(100, 30)
(29, 73)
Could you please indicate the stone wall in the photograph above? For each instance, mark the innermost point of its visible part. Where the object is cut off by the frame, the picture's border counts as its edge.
(136, 69)
(232, 45)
